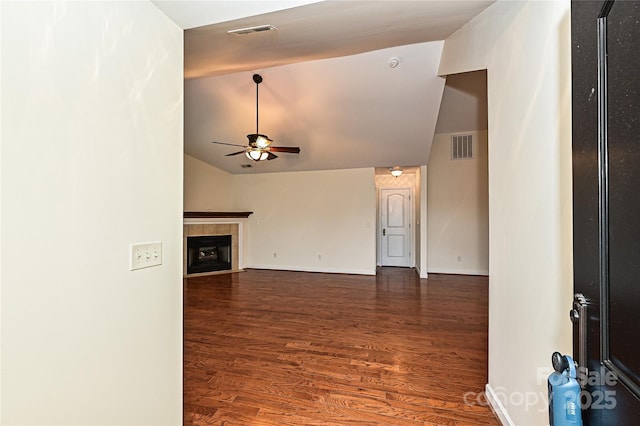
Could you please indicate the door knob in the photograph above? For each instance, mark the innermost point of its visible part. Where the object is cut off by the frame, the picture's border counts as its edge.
(574, 315)
(384, 231)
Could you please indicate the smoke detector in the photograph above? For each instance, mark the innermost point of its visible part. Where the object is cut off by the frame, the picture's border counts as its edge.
(249, 30)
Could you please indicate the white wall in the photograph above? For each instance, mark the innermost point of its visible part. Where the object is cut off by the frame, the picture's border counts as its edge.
(301, 215)
(91, 162)
(464, 103)
(206, 188)
(525, 47)
(458, 208)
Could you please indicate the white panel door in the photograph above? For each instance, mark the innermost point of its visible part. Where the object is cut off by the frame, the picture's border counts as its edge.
(395, 227)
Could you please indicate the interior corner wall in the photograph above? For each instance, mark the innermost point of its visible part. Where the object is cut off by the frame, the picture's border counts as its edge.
(206, 188)
(464, 103)
(526, 49)
(422, 208)
(417, 219)
(310, 221)
(91, 162)
(458, 208)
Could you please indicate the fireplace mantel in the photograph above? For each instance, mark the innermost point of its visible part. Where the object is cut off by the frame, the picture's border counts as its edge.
(216, 215)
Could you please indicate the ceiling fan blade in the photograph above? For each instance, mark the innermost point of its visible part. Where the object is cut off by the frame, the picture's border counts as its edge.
(289, 149)
(271, 156)
(230, 144)
(236, 153)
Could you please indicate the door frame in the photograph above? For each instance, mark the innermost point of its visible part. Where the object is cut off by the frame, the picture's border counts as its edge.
(411, 188)
(608, 396)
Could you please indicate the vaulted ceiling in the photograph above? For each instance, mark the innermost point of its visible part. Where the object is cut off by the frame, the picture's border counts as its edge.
(328, 86)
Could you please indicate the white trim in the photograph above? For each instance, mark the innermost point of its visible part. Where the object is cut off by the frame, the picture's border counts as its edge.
(497, 407)
(313, 269)
(210, 220)
(459, 271)
(420, 274)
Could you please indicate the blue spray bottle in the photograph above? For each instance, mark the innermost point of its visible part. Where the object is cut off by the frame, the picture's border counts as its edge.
(564, 392)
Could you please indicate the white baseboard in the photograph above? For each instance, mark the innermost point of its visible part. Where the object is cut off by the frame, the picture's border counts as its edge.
(459, 271)
(497, 407)
(421, 274)
(313, 269)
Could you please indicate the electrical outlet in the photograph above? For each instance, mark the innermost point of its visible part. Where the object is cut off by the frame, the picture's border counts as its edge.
(144, 255)
(459, 258)
(319, 257)
(275, 255)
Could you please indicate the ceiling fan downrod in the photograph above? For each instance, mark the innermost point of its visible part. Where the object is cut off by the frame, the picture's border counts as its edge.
(258, 141)
(259, 147)
(257, 78)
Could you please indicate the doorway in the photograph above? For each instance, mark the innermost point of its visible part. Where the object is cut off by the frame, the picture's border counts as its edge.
(395, 227)
(397, 217)
(458, 180)
(606, 159)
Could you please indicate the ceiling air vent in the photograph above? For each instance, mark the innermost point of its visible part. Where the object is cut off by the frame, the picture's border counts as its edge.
(249, 30)
(461, 147)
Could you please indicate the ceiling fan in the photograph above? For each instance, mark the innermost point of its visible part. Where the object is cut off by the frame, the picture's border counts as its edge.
(260, 147)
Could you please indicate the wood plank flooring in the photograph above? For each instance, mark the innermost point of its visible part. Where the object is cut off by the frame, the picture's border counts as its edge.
(297, 348)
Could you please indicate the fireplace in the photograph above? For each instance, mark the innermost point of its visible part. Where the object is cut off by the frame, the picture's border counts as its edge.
(208, 253)
(213, 227)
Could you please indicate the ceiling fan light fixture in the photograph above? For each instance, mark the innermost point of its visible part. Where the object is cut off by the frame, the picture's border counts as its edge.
(257, 154)
(262, 141)
(395, 171)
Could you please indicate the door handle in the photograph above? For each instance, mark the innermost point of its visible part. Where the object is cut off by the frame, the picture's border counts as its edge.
(384, 231)
(579, 317)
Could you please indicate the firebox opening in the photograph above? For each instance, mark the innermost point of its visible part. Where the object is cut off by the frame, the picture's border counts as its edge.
(208, 253)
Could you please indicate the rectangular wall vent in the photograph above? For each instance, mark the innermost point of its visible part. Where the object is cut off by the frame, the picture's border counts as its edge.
(461, 147)
(249, 30)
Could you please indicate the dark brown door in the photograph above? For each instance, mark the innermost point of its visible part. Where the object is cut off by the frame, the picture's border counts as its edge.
(606, 205)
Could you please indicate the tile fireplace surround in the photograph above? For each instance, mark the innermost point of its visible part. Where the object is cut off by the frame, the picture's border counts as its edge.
(197, 224)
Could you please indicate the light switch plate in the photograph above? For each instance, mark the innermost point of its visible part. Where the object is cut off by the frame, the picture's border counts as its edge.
(144, 255)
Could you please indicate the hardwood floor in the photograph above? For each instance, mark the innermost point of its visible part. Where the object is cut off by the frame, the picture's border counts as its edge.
(297, 348)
